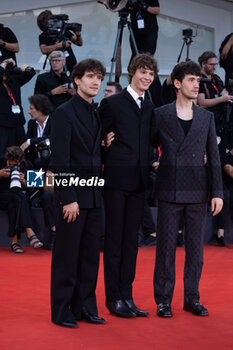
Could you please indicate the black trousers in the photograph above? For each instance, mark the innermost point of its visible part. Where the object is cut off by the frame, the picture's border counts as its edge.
(75, 264)
(123, 217)
(167, 230)
(47, 204)
(19, 215)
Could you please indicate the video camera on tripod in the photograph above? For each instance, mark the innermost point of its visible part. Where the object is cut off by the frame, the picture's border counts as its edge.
(126, 5)
(58, 28)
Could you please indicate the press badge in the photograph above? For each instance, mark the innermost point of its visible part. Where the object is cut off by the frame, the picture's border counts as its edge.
(15, 109)
(140, 23)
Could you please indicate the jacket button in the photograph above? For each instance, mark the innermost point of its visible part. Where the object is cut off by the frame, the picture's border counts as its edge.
(193, 155)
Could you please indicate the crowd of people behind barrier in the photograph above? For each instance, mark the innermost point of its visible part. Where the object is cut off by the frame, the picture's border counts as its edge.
(54, 88)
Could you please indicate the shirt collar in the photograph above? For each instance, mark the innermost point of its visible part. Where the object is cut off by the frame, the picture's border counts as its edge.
(44, 124)
(134, 94)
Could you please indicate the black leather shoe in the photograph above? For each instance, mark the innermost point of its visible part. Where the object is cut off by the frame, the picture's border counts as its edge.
(164, 310)
(135, 309)
(92, 318)
(119, 308)
(196, 308)
(69, 324)
(220, 240)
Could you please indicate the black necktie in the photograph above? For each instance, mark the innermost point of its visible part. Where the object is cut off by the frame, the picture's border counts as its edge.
(142, 102)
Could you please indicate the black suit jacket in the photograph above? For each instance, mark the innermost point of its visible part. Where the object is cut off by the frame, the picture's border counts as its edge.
(75, 148)
(183, 176)
(32, 131)
(127, 160)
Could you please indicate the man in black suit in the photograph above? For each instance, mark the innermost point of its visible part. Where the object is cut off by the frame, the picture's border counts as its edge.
(126, 169)
(187, 136)
(75, 141)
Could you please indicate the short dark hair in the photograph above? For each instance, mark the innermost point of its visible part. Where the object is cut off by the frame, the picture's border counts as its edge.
(41, 103)
(184, 68)
(14, 153)
(42, 19)
(87, 65)
(142, 60)
(206, 56)
(117, 85)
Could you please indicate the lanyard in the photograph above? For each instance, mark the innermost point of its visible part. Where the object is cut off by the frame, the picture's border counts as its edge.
(11, 96)
(215, 85)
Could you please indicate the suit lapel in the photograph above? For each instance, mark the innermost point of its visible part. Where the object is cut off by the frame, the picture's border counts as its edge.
(131, 100)
(81, 113)
(192, 133)
(46, 130)
(173, 126)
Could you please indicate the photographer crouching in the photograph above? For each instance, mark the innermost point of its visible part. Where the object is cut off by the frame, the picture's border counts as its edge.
(13, 199)
(11, 114)
(57, 34)
(37, 150)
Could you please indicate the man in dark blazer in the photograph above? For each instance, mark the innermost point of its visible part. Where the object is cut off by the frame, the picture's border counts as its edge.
(39, 130)
(75, 141)
(126, 168)
(39, 126)
(188, 173)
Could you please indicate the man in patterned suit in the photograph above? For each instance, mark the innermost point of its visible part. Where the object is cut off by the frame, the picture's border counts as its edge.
(187, 136)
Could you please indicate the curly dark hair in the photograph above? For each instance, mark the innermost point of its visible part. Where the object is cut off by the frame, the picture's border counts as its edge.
(42, 19)
(142, 60)
(87, 65)
(41, 103)
(14, 153)
(185, 68)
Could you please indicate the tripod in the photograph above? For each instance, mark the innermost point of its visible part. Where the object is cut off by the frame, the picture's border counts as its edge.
(188, 41)
(121, 25)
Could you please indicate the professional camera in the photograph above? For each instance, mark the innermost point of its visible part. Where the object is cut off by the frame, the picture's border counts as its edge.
(122, 5)
(187, 33)
(1, 27)
(205, 80)
(43, 149)
(57, 27)
(15, 177)
(66, 80)
(11, 69)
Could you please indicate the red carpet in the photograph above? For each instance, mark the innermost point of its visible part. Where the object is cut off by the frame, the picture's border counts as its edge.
(25, 314)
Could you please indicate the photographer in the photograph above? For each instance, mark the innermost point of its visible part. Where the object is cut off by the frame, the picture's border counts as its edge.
(56, 85)
(37, 151)
(144, 25)
(212, 95)
(50, 43)
(11, 114)
(39, 129)
(226, 60)
(14, 200)
(8, 43)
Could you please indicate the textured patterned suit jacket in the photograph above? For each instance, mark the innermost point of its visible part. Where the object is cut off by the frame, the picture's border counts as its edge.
(183, 175)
